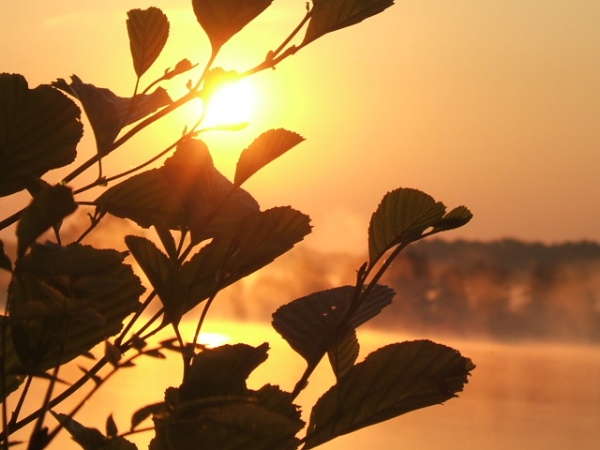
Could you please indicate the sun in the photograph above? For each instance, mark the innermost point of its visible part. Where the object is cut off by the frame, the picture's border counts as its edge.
(233, 103)
(213, 339)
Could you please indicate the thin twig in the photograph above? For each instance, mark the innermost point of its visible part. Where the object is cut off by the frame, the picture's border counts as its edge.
(95, 220)
(17, 411)
(48, 397)
(203, 316)
(135, 317)
(97, 385)
(3, 374)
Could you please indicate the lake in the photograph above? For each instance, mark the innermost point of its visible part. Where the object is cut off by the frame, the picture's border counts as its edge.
(525, 396)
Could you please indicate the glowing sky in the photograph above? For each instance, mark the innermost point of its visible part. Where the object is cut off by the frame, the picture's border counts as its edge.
(491, 104)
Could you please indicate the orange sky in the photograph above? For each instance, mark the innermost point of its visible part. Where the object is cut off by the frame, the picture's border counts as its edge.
(491, 104)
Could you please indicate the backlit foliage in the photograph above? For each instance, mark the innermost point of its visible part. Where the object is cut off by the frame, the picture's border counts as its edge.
(68, 301)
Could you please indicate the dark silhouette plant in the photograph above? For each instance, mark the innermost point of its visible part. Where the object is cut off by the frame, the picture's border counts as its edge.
(66, 299)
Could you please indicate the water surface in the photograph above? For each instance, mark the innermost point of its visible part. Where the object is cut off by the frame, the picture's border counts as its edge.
(526, 396)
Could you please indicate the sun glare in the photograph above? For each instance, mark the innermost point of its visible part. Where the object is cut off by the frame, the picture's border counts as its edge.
(213, 339)
(234, 103)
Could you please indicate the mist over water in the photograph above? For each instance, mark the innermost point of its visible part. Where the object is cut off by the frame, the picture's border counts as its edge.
(507, 291)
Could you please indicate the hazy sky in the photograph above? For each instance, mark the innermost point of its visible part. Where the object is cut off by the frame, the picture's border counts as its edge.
(491, 104)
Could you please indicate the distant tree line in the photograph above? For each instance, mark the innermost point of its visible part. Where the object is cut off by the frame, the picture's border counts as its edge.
(506, 289)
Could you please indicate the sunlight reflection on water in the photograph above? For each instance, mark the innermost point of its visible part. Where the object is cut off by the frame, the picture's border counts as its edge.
(529, 396)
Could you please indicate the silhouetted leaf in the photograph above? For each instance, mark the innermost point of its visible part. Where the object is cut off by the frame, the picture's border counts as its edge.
(401, 217)
(262, 237)
(456, 218)
(119, 443)
(190, 174)
(210, 202)
(112, 354)
(138, 343)
(87, 438)
(148, 32)
(274, 399)
(34, 184)
(109, 113)
(214, 409)
(343, 352)
(222, 371)
(225, 424)
(222, 19)
(52, 317)
(155, 264)
(96, 284)
(155, 354)
(145, 198)
(307, 323)
(171, 344)
(5, 262)
(187, 192)
(331, 15)
(11, 364)
(39, 439)
(182, 66)
(91, 438)
(232, 206)
(48, 207)
(111, 427)
(393, 380)
(263, 150)
(39, 131)
(143, 413)
(166, 238)
(88, 355)
(256, 240)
